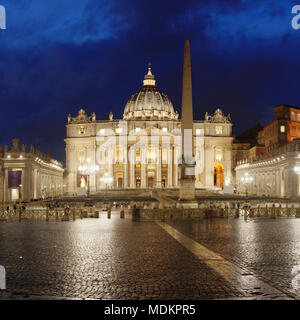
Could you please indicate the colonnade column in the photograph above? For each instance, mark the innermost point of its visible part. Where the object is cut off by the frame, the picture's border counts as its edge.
(35, 184)
(5, 189)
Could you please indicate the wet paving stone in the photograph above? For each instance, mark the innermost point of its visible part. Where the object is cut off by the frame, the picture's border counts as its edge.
(121, 259)
(269, 249)
(103, 259)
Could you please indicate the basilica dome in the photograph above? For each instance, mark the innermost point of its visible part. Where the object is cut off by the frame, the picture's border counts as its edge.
(149, 103)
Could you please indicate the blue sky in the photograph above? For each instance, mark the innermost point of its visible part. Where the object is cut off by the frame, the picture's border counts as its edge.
(58, 56)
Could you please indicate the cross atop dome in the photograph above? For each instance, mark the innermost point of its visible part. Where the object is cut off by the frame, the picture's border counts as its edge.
(149, 79)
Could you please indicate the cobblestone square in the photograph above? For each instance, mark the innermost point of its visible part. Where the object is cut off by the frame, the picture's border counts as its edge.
(121, 259)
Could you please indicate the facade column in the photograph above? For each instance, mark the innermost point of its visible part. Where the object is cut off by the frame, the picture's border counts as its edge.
(228, 165)
(175, 166)
(132, 175)
(125, 175)
(209, 169)
(170, 166)
(158, 169)
(93, 162)
(131, 164)
(125, 168)
(71, 169)
(111, 155)
(143, 167)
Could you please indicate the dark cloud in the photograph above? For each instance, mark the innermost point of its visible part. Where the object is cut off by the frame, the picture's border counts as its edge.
(58, 56)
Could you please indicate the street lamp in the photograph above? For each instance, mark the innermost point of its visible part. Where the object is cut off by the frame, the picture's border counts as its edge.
(106, 179)
(88, 169)
(297, 170)
(246, 180)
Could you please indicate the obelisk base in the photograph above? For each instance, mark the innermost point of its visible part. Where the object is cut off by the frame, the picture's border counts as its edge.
(187, 189)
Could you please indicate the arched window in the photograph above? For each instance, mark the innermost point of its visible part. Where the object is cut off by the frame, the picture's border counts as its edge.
(219, 175)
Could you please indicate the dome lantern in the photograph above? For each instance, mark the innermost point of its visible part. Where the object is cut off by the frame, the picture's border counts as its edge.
(149, 79)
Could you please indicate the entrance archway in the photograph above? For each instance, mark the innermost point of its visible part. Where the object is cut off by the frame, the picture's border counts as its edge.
(164, 181)
(81, 181)
(138, 182)
(219, 176)
(119, 179)
(151, 179)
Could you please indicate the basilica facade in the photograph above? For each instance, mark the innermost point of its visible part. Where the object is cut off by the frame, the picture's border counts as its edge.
(143, 150)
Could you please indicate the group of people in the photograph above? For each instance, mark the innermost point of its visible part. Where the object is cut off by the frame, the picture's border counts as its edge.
(15, 207)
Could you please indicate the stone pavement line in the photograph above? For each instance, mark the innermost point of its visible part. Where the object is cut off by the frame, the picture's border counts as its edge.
(242, 279)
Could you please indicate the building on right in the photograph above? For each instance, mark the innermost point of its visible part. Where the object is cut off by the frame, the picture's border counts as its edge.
(268, 160)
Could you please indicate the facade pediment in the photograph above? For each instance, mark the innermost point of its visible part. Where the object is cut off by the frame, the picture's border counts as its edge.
(217, 117)
(82, 117)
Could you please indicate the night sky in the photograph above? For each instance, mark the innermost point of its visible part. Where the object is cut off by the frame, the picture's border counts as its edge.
(60, 55)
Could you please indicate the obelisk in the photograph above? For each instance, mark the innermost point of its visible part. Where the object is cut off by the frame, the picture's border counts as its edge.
(187, 181)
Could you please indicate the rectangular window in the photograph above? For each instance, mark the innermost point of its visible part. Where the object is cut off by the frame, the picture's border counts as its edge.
(81, 130)
(138, 155)
(14, 179)
(219, 129)
(151, 155)
(164, 155)
(282, 128)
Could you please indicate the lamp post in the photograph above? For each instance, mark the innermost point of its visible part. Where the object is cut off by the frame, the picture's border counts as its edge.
(88, 169)
(246, 180)
(106, 179)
